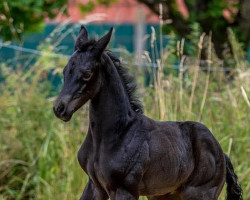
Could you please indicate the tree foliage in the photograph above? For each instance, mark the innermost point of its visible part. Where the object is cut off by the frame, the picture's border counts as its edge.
(211, 15)
(19, 16)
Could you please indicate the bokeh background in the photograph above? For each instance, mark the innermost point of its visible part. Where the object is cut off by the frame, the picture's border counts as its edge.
(190, 59)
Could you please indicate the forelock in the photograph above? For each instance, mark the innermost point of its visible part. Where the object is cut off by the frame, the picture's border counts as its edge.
(84, 45)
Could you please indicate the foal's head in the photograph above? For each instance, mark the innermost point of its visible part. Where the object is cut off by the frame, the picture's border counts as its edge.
(81, 74)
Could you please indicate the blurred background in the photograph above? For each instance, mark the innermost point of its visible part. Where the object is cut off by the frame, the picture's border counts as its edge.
(190, 58)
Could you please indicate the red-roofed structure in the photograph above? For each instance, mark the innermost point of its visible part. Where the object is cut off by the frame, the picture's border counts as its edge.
(123, 11)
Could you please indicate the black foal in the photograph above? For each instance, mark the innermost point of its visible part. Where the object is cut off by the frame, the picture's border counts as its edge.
(127, 154)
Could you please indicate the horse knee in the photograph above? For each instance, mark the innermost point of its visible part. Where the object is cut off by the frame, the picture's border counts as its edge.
(91, 192)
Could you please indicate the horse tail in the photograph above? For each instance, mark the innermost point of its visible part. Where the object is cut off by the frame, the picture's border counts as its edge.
(234, 191)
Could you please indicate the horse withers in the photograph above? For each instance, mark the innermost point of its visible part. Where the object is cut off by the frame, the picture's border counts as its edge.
(127, 154)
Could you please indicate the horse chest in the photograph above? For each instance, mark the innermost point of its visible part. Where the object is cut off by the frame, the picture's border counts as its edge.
(108, 166)
(109, 171)
(104, 173)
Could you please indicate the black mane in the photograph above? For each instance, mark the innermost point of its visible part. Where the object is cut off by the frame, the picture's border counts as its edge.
(128, 83)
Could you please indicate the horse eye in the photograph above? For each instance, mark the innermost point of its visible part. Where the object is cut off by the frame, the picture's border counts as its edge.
(87, 76)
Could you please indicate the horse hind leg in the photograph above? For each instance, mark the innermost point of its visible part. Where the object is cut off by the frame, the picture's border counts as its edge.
(209, 190)
(193, 193)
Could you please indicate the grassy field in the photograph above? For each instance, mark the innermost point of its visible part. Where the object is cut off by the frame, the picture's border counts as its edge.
(38, 151)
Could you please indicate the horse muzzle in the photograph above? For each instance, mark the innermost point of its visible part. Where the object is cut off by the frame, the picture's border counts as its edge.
(60, 109)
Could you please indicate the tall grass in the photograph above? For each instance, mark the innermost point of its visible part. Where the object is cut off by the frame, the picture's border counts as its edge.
(38, 151)
(38, 154)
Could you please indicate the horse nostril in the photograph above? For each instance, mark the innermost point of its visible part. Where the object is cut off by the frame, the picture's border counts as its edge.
(60, 108)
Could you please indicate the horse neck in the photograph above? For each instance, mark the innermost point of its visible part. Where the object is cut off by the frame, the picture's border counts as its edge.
(110, 109)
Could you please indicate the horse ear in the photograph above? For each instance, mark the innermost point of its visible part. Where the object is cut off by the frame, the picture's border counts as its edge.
(102, 43)
(81, 38)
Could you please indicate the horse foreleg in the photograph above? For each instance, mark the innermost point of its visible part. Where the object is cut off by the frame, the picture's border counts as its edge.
(93, 193)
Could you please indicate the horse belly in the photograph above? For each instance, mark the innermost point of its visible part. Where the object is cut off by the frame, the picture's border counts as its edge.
(146, 189)
(164, 180)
